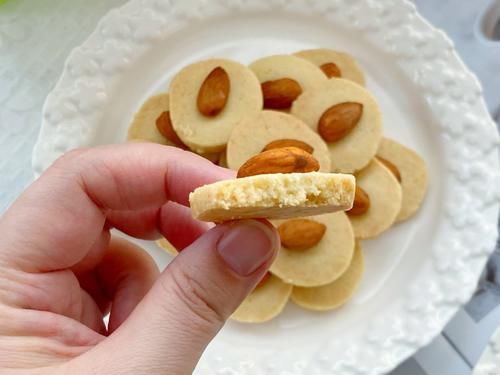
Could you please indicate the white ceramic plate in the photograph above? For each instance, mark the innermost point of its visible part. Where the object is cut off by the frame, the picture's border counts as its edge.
(489, 363)
(420, 272)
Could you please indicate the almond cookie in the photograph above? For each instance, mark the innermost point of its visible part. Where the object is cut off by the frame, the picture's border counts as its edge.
(253, 135)
(273, 196)
(410, 170)
(377, 201)
(214, 157)
(265, 302)
(347, 117)
(143, 126)
(335, 294)
(334, 64)
(284, 77)
(223, 160)
(314, 251)
(206, 100)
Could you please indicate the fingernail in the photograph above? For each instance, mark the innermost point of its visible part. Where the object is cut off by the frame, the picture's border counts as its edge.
(247, 245)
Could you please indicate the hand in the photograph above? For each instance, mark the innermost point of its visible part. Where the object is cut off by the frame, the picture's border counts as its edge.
(60, 272)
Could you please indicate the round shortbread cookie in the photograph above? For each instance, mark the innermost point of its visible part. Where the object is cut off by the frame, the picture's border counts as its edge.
(275, 67)
(165, 245)
(413, 173)
(210, 134)
(223, 159)
(251, 135)
(214, 157)
(143, 126)
(346, 64)
(264, 303)
(385, 201)
(273, 196)
(358, 147)
(335, 294)
(322, 263)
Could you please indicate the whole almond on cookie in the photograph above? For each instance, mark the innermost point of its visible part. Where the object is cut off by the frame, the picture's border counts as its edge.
(279, 160)
(301, 234)
(338, 120)
(280, 93)
(280, 143)
(164, 126)
(331, 70)
(214, 92)
(361, 202)
(394, 170)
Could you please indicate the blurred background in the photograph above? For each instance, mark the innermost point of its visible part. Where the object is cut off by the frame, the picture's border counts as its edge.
(37, 35)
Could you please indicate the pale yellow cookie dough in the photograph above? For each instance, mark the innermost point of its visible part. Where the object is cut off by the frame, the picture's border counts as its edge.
(143, 126)
(273, 196)
(335, 294)
(165, 245)
(251, 135)
(385, 201)
(271, 68)
(320, 264)
(357, 148)
(264, 303)
(348, 67)
(413, 175)
(210, 134)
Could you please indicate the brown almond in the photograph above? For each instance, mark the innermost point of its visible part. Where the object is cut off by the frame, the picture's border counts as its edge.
(164, 126)
(301, 234)
(280, 93)
(331, 70)
(214, 92)
(361, 202)
(264, 279)
(391, 167)
(279, 160)
(280, 143)
(338, 120)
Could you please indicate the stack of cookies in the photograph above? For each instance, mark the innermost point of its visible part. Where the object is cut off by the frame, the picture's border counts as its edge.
(310, 107)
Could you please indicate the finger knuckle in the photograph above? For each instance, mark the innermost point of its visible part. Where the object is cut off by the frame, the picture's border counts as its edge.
(194, 296)
(71, 156)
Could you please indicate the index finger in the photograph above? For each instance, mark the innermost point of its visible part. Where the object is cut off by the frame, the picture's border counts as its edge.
(56, 221)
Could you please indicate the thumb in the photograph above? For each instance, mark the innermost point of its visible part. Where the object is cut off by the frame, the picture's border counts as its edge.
(169, 330)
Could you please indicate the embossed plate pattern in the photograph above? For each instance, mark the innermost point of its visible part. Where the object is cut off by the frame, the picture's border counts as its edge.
(420, 272)
(489, 363)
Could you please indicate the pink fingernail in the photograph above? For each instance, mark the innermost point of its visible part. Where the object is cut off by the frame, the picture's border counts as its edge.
(247, 245)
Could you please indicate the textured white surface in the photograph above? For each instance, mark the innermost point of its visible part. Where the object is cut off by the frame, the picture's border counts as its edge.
(489, 363)
(462, 21)
(35, 39)
(446, 246)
